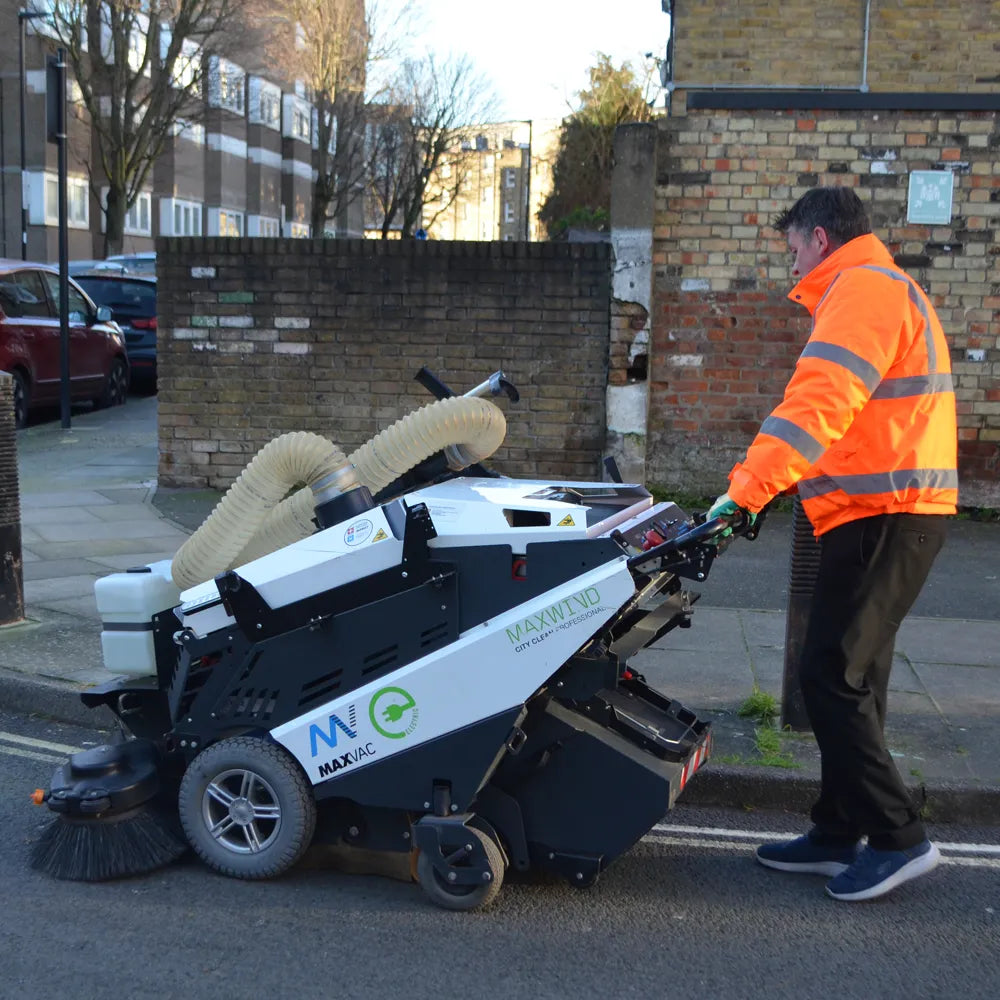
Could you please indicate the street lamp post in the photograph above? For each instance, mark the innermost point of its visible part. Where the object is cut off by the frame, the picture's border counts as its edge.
(22, 16)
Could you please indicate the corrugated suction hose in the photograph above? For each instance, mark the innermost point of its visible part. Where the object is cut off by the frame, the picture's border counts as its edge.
(252, 519)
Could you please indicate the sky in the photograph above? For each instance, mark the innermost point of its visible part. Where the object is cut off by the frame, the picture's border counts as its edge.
(537, 52)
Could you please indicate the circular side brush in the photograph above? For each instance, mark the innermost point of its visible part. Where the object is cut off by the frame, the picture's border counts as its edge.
(110, 821)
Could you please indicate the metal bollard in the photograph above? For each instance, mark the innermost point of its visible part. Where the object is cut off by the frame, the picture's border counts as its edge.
(802, 573)
(11, 572)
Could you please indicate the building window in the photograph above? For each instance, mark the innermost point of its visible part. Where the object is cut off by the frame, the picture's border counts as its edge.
(508, 212)
(263, 225)
(509, 177)
(300, 124)
(77, 202)
(298, 230)
(192, 131)
(137, 52)
(265, 103)
(179, 217)
(187, 66)
(227, 85)
(138, 219)
(230, 223)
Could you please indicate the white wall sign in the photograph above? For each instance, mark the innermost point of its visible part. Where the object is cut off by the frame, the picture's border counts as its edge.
(929, 200)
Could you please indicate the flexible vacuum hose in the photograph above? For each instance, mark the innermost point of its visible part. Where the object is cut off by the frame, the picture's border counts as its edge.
(252, 520)
(280, 464)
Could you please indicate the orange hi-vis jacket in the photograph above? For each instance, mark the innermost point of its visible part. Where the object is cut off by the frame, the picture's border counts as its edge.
(867, 423)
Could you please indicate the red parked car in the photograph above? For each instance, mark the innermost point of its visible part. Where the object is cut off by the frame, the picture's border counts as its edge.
(30, 343)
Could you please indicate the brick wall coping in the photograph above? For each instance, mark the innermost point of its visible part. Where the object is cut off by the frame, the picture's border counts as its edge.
(392, 249)
(837, 100)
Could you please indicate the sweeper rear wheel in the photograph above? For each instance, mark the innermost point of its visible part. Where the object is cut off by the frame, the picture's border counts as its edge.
(247, 808)
(463, 897)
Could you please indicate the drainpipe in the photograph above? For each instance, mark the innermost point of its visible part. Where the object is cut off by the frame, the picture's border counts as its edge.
(802, 573)
(864, 52)
(11, 575)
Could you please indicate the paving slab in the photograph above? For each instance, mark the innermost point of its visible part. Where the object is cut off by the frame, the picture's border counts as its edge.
(68, 498)
(57, 568)
(950, 641)
(962, 690)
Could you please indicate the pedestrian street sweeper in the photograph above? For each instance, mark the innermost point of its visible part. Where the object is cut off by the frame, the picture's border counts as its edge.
(438, 670)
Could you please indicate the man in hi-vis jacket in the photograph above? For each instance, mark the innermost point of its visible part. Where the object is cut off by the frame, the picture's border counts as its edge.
(867, 432)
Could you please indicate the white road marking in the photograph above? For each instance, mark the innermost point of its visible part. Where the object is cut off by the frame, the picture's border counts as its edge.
(29, 741)
(694, 836)
(15, 752)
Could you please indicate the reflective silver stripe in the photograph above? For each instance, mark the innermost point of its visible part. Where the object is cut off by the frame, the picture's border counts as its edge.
(918, 300)
(854, 363)
(914, 385)
(802, 441)
(880, 482)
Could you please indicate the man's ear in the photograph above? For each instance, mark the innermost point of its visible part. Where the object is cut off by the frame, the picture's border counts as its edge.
(823, 241)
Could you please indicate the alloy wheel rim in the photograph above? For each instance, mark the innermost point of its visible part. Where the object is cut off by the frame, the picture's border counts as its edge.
(241, 811)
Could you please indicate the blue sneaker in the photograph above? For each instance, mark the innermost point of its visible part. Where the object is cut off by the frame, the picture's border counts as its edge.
(877, 872)
(806, 855)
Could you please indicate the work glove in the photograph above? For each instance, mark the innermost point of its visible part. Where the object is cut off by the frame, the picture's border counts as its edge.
(725, 506)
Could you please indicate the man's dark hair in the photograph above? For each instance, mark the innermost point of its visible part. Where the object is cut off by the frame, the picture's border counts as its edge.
(837, 209)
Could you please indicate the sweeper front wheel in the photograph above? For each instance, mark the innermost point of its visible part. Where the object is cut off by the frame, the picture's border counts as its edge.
(463, 897)
(247, 808)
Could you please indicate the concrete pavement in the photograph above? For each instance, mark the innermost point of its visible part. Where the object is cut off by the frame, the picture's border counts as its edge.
(90, 506)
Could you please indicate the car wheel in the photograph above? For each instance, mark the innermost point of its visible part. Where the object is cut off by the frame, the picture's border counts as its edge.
(115, 389)
(247, 808)
(20, 399)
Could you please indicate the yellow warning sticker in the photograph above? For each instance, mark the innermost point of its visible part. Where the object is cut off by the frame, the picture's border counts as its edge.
(379, 535)
(567, 522)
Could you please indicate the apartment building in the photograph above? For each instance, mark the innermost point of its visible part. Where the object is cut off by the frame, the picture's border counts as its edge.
(503, 172)
(243, 166)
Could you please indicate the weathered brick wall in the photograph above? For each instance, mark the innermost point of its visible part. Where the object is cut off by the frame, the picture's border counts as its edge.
(260, 337)
(724, 338)
(912, 45)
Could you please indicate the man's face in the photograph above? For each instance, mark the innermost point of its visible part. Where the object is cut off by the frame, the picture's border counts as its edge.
(808, 248)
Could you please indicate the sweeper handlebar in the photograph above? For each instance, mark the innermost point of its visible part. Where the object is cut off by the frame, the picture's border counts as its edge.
(739, 523)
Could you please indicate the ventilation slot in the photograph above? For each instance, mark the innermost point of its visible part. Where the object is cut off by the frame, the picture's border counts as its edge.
(320, 687)
(249, 704)
(433, 635)
(198, 674)
(379, 659)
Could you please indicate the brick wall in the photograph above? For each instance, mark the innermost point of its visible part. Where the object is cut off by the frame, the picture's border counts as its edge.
(912, 45)
(723, 337)
(261, 337)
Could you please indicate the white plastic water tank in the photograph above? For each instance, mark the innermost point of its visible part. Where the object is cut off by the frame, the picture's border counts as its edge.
(126, 603)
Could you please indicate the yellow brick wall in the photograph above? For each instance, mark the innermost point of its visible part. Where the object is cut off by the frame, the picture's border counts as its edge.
(929, 45)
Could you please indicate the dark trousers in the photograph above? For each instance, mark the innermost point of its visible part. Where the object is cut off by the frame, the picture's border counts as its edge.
(870, 573)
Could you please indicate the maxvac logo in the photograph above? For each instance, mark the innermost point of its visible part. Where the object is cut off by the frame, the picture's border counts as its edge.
(346, 760)
(329, 736)
(393, 712)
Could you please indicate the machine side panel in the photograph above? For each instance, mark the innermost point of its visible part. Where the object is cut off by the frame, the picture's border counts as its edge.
(489, 669)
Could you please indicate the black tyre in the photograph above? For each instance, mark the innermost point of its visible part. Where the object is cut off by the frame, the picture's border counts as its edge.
(21, 399)
(115, 390)
(247, 808)
(463, 897)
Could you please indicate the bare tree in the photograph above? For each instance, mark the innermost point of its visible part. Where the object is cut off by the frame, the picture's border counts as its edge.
(332, 46)
(433, 110)
(140, 66)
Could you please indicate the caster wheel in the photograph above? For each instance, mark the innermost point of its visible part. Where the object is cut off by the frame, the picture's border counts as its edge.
(463, 897)
(246, 808)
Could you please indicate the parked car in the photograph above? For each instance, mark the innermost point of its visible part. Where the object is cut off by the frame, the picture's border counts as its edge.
(132, 301)
(30, 342)
(135, 263)
(75, 267)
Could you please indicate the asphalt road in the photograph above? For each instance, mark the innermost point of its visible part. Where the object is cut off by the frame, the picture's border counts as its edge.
(685, 914)
(964, 581)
